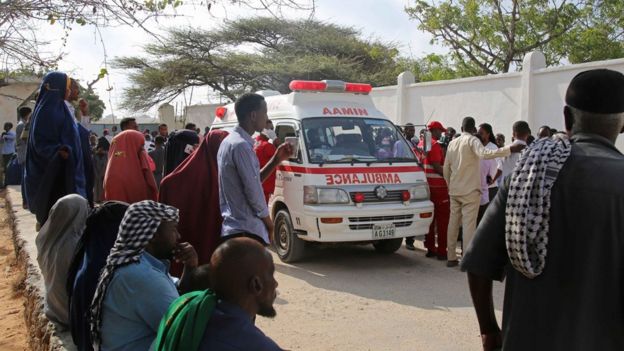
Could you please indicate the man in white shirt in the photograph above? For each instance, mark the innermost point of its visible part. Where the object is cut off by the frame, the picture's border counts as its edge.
(74, 91)
(521, 132)
(486, 134)
(463, 176)
(85, 119)
(8, 149)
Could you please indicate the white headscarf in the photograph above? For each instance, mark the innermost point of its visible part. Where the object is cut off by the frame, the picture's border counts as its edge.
(56, 243)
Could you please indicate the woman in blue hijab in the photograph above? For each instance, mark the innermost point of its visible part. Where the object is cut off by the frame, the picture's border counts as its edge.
(54, 159)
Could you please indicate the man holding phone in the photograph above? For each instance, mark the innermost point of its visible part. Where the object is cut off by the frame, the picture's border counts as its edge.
(241, 197)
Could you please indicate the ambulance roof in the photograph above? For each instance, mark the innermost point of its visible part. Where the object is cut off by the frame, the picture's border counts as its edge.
(301, 105)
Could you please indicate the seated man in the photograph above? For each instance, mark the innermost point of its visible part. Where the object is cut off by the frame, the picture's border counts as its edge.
(241, 273)
(135, 290)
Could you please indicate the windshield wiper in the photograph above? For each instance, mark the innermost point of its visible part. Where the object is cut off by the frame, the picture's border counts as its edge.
(352, 160)
(396, 159)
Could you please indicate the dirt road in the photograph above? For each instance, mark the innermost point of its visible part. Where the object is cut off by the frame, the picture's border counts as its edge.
(350, 298)
(12, 325)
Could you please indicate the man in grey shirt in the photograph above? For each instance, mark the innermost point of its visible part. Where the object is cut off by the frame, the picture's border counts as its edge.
(241, 198)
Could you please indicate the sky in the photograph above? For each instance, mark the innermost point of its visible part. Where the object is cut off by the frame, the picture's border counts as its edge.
(84, 53)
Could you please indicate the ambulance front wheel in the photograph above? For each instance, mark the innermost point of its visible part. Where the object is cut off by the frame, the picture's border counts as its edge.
(388, 246)
(287, 245)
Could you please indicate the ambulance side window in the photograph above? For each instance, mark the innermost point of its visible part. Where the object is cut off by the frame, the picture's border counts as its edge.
(288, 130)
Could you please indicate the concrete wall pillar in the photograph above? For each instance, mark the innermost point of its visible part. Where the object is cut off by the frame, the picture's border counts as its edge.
(532, 61)
(402, 98)
(166, 114)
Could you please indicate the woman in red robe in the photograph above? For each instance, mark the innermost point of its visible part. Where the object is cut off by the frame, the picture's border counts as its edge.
(193, 188)
(128, 175)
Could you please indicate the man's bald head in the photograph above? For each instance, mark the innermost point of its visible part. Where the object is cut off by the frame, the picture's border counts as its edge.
(241, 272)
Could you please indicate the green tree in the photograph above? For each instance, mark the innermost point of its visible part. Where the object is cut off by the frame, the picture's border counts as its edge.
(96, 105)
(434, 67)
(253, 54)
(493, 36)
(20, 46)
(599, 34)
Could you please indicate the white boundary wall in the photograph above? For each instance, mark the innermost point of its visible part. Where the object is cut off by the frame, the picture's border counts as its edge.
(535, 95)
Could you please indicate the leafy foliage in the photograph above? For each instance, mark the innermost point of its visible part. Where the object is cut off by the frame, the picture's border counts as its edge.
(254, 54)
(492, 36)
(20, 46)
(96, 105)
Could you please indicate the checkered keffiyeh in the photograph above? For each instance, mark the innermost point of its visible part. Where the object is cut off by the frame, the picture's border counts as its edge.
(137, 228)
(528, 203)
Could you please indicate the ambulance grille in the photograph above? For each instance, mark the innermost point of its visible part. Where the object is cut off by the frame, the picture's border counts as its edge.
(381, 218)
(370, 196)
(369, 226)
(366, 223)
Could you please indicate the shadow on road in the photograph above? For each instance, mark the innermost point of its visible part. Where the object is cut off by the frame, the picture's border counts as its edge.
(406, 277)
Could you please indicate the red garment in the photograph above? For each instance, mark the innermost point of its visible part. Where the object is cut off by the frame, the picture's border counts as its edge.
(435, 155)
(441, 215)
(193, 188)
(265, 151)
(440, 199)
(152, 164)
(128, 175)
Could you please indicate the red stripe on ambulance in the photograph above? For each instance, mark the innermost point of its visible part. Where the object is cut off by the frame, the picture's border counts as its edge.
(348, 170)
(355, 175)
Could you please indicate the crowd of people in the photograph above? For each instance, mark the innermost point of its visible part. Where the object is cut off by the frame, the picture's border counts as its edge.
(158, 240)
(110, 211)
(545, 213)
(463, 172)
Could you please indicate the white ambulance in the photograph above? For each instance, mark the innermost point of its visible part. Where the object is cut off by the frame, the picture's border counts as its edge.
(354, 179)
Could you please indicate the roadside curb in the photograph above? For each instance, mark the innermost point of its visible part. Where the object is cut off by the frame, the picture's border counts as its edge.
(43, 335)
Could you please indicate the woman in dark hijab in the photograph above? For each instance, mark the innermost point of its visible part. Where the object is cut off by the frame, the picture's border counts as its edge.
(54, 159)
(193, 188)
(180, 145)
(90, 256)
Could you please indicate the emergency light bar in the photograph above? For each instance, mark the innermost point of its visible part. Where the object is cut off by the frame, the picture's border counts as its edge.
(220, 112)
(330, 86)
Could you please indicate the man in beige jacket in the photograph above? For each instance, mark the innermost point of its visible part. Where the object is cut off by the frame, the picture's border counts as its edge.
(462, 174)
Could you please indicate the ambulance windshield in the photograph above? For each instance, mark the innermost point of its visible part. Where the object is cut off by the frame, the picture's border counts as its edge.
(349, 140)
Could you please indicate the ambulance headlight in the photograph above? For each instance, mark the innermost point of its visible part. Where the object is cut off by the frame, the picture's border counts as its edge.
(313, 195)
(419, 192)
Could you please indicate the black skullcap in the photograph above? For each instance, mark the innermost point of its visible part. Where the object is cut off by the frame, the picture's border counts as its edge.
(597, 90)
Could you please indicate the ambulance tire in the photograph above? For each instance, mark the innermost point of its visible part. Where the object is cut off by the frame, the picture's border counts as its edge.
(388, 246)
(287, 245)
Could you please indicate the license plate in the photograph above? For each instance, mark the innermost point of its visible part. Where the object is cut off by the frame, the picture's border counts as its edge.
(383, 231)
